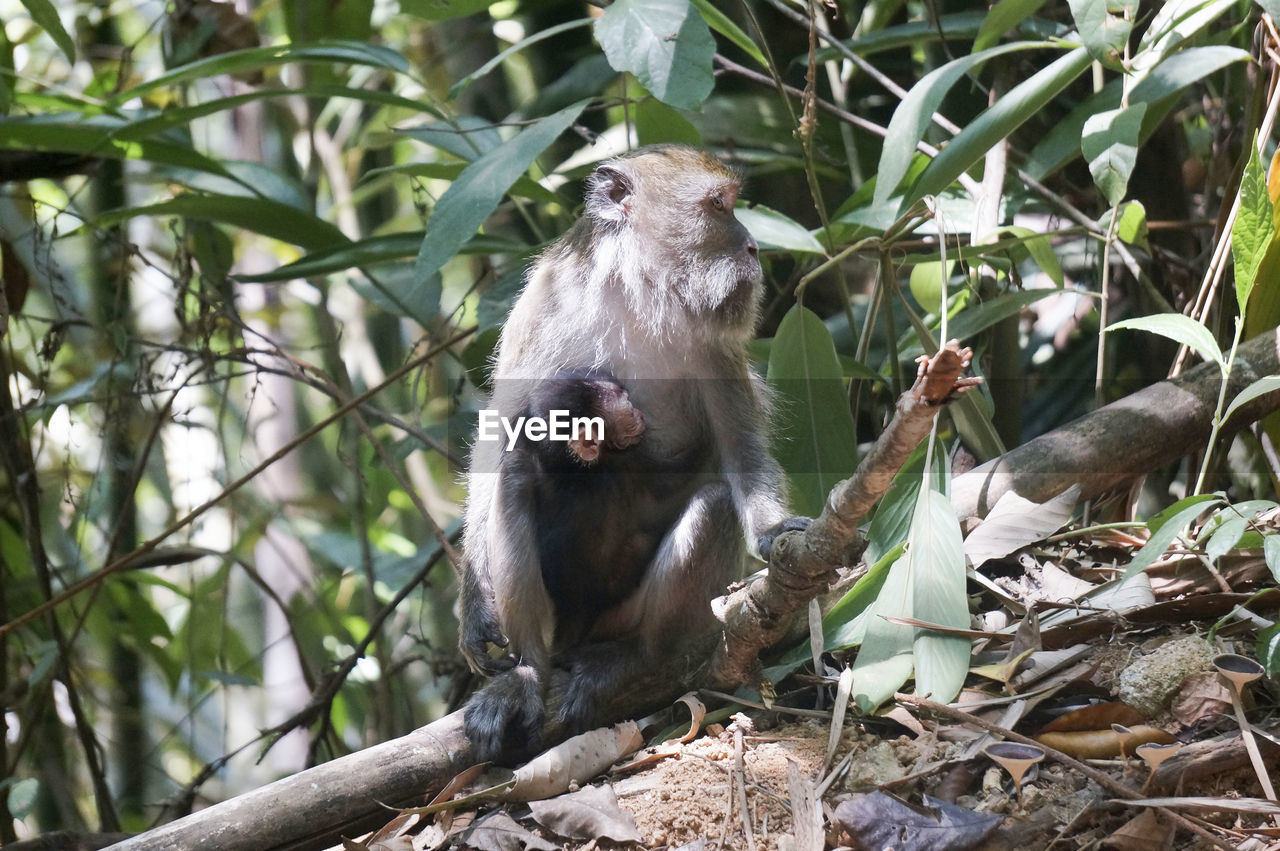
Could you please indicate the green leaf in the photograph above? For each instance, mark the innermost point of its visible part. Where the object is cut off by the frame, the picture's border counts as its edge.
(1104, 26)
(774, 230)
(928, 283)
(1264, 385)
(1267, 648)
(1181, 329)
(657, 122)
(258, 58)
(1132, 227)
(1110, 144)
(1254, 227)
(46, 17)
(1184, 68)
(912, 117)
(260, 215)
(936, 557)
(723, 24)
(1271, 552)
(1225, 538)
(1022, 102)
(891, 522)
(1164, 527)
(665, 43)
(94, 136)
(1037, 246)
(1004, 16)
(176, 116)
(524, 187)
(886, 658)
(814, 437)
(470, 199)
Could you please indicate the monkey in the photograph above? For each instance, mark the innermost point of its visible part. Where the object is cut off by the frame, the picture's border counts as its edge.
(639, 314)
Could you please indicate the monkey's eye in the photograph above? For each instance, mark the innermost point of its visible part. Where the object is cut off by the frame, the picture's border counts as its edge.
(717, 201)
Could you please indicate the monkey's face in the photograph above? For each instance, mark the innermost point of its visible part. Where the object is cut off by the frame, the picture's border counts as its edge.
(673, 208)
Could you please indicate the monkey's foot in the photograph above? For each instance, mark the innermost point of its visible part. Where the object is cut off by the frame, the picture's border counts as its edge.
(504, 719)
(764, 543)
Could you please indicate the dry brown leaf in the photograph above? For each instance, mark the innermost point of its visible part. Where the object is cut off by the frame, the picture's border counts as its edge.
(1098, 716)
(1101, 744)
(590, 813)
(576, 760)
(1201, 695)
(1147, 831)
(500, 832)
(806, 811)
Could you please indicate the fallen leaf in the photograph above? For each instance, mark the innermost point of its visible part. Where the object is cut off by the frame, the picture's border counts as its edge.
(500, 832)
(1201, 695)
(1015, 522)
(1101, 744)
(1097, 716)
(878, 820)
(576, 760)
(590, 813)
(1146, 831)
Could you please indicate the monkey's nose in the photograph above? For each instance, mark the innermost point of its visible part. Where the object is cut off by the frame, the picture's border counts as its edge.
(752, 248)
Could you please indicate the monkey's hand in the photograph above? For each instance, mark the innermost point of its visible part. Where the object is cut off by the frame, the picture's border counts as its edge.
(479, 630)
(764, 543)
(623, 422)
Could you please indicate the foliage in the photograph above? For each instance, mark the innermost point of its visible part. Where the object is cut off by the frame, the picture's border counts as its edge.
(254, 267)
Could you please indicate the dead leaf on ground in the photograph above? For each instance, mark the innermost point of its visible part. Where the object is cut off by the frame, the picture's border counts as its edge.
(590, 813)
(1147, 831)
(1102, 744)
(1098, 716)
(575, 761)
(1201, 695)
(880, 820)
(500, 832)
(806, 811)
(1015, 522)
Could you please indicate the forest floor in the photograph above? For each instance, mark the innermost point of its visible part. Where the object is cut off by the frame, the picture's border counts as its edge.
(1108, 687)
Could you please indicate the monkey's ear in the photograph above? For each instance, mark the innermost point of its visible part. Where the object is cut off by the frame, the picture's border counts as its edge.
(609, 194)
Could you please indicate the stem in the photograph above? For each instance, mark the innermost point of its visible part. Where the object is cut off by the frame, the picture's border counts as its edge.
(1217, 411)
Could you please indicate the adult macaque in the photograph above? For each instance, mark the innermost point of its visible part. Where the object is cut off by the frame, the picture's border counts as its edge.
(639, 315)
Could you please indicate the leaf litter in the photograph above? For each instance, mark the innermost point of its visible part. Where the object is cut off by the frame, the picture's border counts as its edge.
(1111, 680)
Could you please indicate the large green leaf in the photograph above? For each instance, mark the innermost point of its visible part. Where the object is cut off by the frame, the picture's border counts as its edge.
(665, 43)
(95, 136)
(1105, 26)
(260, 215)
(772, 229)
(258, 58)
(936, 560)
(723, 24)
(470, 199)
(167, 119)
(1110, 145)
(1006, 115)
(1254, 228)
(1181, 329)
(814, 436)
(913, 115)
(45, 15)
(1164, 527)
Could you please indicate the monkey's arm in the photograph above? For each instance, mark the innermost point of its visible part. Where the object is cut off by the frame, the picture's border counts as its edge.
(755, 478)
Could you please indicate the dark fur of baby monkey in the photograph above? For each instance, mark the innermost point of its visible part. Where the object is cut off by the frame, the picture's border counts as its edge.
(640, 316)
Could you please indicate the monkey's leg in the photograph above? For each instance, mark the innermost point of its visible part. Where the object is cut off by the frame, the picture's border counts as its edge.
(702, 553)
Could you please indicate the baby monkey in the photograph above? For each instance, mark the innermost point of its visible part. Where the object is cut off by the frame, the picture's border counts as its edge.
(613, 545)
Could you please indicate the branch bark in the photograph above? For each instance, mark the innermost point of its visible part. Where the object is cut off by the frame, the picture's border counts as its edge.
(1109, 448)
